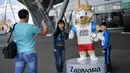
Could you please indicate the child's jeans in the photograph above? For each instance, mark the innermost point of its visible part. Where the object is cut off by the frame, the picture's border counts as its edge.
(107, 58)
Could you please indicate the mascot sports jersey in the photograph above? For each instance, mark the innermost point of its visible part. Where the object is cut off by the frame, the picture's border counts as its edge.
(83, 33)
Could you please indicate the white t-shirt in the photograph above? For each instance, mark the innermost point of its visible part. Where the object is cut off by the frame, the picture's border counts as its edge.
(83, 33)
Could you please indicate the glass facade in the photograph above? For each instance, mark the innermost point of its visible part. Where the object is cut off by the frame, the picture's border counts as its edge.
(100, 8)
(116, 6)
(108, 6)
(113, 19)
(110, 13)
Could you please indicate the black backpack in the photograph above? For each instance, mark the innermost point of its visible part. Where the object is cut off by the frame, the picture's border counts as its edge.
(10, 50)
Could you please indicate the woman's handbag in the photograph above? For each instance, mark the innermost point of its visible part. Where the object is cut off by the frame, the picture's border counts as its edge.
(10, 50)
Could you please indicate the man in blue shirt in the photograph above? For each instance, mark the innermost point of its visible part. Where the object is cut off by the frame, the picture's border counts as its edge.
(24, 38)
(106, 46)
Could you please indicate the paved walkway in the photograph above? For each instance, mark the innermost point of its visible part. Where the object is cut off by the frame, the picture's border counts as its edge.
(120, 54)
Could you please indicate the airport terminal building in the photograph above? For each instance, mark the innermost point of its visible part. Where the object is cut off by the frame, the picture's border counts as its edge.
(115, 12)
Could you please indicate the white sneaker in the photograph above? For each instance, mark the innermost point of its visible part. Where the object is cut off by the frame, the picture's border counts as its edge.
(82, 59)
(93, 57)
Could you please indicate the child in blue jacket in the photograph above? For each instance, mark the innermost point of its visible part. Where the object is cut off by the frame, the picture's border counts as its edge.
(106, 46)
(59, 37)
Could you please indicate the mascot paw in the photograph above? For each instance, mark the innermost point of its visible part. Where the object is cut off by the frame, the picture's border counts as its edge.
(93, 58)
(82, 59)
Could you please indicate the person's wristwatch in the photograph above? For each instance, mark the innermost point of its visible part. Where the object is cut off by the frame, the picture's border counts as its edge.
(41, 25)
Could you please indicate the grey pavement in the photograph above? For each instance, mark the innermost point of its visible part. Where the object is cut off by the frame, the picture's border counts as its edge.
(120, 53)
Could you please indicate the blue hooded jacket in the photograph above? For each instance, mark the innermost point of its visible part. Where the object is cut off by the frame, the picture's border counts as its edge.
(106, 40)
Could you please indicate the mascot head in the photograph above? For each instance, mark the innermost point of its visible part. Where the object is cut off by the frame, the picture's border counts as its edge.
(84, 13)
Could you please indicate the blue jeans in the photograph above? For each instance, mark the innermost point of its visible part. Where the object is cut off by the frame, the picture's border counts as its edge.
(59, 58)
(107, 58)
(26, 58)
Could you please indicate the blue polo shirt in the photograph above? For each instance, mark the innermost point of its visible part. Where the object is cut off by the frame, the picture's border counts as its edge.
(24, 37)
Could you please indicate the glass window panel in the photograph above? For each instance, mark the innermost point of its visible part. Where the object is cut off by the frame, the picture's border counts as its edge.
(116, 6)
(108, 6)
(100, 8)
(95, 8)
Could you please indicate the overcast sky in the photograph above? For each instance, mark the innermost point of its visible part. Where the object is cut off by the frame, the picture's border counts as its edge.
(2, 2)
(16, 7)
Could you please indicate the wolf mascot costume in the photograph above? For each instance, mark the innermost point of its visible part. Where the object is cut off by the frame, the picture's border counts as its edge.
(83, 30)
